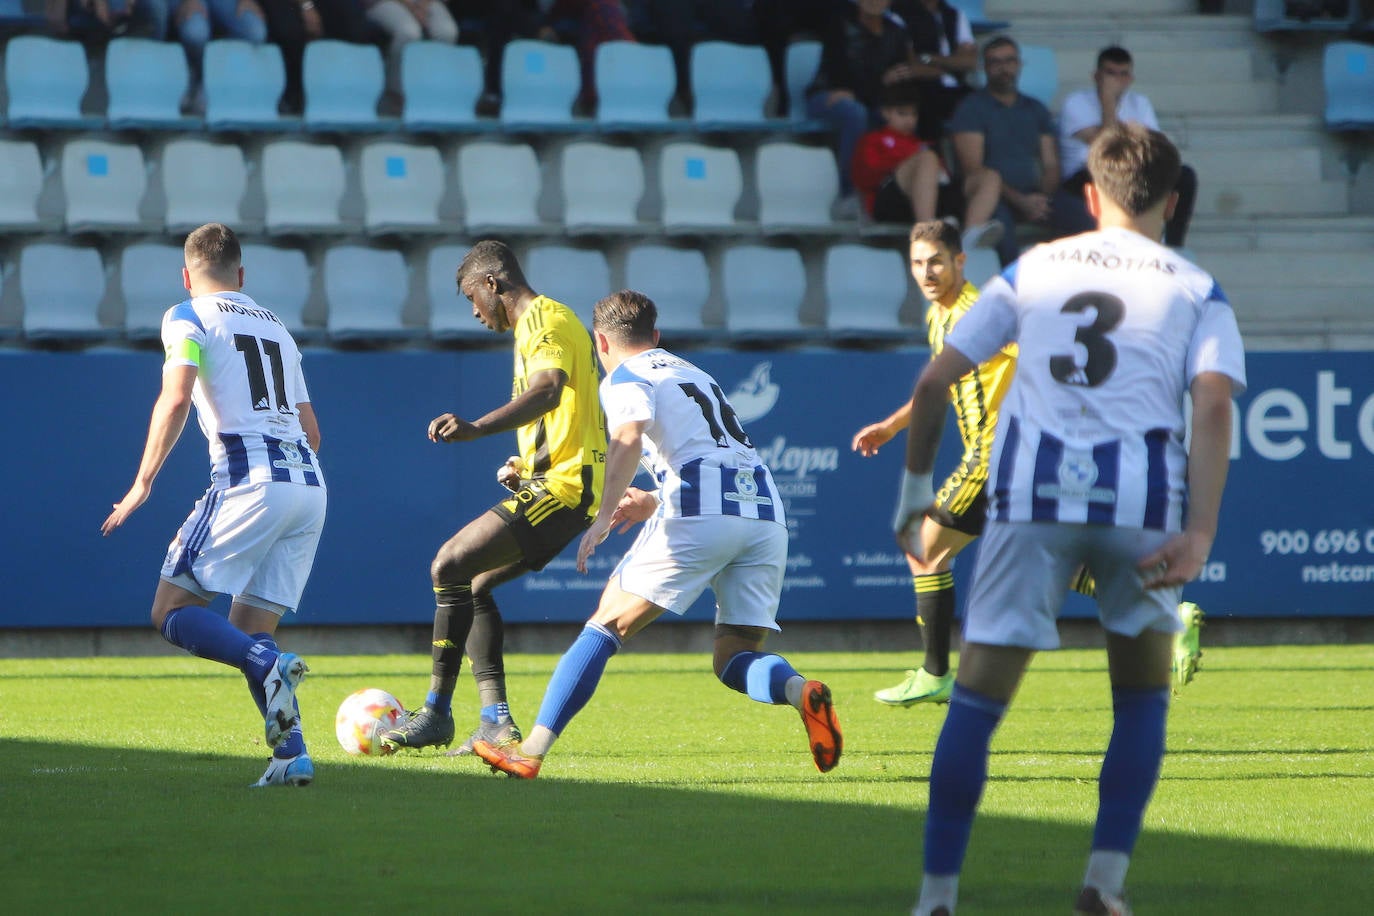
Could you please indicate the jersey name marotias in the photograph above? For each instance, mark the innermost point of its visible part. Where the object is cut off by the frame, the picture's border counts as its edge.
(565, 449)
(1112, 329)
(248, 383)
(977, 394)
(694, 445)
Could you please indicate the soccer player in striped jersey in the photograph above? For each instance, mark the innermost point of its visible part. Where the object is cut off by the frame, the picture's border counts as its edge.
(1090, 469)
(253, 534)
(717, 521)
(555, 485)
(960, 508)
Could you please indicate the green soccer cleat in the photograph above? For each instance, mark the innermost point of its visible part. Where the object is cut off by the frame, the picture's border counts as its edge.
(1187, 648)
(920, 686)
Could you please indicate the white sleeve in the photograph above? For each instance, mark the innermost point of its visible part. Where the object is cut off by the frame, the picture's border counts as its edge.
(963, 31)
(1081, 109)
(183, 336)
(302, 393)
(1216, 345)
(627, 401)
(990, 323)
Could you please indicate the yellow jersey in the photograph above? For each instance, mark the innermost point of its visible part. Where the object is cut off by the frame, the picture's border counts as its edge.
(565, 449)
(977, 394)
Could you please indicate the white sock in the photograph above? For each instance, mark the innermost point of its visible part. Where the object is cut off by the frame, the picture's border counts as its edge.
(793, 689)
(538, 743)
(1107, 871)
(937, 890)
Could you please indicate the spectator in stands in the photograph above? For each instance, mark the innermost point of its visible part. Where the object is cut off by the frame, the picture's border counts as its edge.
(680, 24)
(197, 21)
(868, 50)
(292, 23)
(780, 22)
(998, 128)
(901, 178)
(946, 54)
(404, 21)
(588, 24)
(1085, 114)
(98, 21)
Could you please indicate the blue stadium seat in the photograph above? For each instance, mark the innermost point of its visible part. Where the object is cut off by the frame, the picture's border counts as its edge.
(280, 279)
(104, 183)
(46, 79)
(977, 16)
(576, 277)
(764, 291)
(21, 184)
(1348, 75)
(450, 313)
(500, 186)
(441, 83)
(679, 282)
(1271, 16)
(303, 186)
(146, 80)
(343, 84)
(402, 186)
(700, 188)
(539, 81)
(730, 85)
(801, 64)
(634, 85)
(243, 85)
(797, 185)
(62, 287)
(150, 282)
(366, 290)
(864, 291)
(204, 182)
(1040, 74)
(981, 265)
(602, 187)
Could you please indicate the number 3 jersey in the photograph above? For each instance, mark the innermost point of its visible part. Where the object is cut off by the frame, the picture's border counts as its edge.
(1112, 329)
(694, 445)
(248, 384)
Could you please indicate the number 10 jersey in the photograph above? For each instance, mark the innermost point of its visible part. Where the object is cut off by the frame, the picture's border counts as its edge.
(248, 384)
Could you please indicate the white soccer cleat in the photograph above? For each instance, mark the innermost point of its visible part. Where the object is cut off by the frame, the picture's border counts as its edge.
(279, 690)
(287, 771)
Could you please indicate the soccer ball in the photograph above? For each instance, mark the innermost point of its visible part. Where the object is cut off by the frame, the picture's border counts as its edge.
(362, 719)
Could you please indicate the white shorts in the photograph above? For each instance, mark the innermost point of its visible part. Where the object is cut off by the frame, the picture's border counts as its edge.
(1023, 575)
(255, 542)
(742, 559)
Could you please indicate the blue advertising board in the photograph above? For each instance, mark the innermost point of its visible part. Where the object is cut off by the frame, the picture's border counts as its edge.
(1296, 539)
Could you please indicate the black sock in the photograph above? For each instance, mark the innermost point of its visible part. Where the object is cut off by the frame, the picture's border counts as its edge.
(452, 620)
(486, 647)
(935, 618)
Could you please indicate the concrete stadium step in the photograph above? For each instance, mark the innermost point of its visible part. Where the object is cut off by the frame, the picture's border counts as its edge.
(1314, 284)
(1229, 65)
(1015, 9)
(1247, 133)
(1141, 35)
(1257, 166)
(1219, 196)
(1212, 235)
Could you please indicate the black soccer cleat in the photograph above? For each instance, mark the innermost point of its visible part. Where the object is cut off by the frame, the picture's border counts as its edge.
(425, 728)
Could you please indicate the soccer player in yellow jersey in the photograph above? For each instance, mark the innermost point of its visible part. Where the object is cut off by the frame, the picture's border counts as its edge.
(555, 484)
(937, 266)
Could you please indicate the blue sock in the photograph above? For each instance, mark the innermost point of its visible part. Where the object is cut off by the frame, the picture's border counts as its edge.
(206, 634)
(293, 744)
(761, 676)
(255, 683)
(957, 775)
(576, 676)
(441, 703)
(497, 713)
(1130, 767)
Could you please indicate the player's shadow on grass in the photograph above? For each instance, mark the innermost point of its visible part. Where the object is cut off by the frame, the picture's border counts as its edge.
(92, 829)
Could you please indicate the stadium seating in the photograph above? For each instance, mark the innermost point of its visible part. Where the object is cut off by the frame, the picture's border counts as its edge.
(146, 80)
(243, 84)
(204, 182)
(450, 313)
(980, 266)
(700, 187)
(441, 83)
(46, 79)
(602, 186)
(279, 279)
(797, 186)
(864, 291)
(575, 277)
(730, 85)
(679, 282)
(764, 290)
(150, 282)
(62, 287)
(1348, 75)
(1040, 74)
(977, 16)
(634, 84)
(539, 81)
(104, 184)
(21, 185)
(343, 84)
(402, 187)
(303, 185)
(1270, 16)
(500, 185)
(366, 291)
(802, 62)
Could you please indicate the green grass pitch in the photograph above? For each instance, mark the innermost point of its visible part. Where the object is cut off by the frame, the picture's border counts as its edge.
(124, 789)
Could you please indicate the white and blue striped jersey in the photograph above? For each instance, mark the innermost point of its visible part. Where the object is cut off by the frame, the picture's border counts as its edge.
(694, 444)
(1112, 329)
(248, 384)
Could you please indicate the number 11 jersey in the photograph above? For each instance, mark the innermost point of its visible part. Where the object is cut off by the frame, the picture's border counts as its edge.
(248, 384)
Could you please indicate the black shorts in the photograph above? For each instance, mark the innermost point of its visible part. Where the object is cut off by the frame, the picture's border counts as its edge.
(891, 205)
(540, 523)
(962, 502)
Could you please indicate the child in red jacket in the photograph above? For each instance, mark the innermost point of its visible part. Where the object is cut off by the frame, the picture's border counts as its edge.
(900, 178)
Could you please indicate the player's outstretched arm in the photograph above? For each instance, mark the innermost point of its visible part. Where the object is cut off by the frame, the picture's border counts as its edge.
(544, 391)
(170, 411)
(928, 404)
(868, 440)
(1181, 558)
(622, 461)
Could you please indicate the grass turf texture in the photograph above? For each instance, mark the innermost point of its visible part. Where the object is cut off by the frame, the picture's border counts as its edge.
(124, 788)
